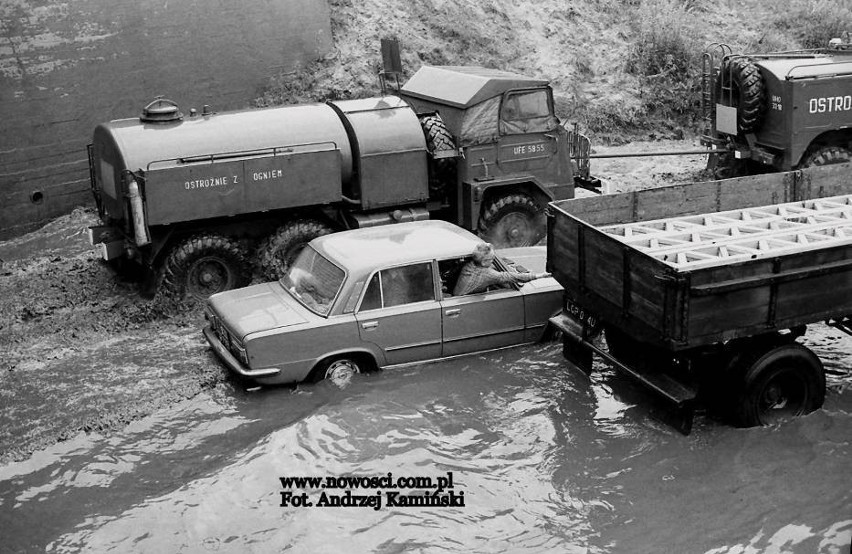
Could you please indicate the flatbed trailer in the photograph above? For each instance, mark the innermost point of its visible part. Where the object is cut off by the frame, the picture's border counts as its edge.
(702, 289)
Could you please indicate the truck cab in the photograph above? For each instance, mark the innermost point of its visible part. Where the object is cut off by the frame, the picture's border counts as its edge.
(512, 154)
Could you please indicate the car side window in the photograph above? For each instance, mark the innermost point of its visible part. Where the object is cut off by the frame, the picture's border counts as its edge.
(399, 285)
(373, 294)
(449, 271)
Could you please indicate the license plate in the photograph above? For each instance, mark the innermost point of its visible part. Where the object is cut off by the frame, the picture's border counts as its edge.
(582, 315)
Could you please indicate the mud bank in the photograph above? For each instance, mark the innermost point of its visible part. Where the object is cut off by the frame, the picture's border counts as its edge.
(82, 350)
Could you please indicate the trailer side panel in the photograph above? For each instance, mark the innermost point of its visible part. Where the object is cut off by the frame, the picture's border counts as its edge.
(665, 304)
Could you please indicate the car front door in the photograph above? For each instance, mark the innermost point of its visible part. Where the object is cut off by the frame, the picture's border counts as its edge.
(481, 321)
(399, 313)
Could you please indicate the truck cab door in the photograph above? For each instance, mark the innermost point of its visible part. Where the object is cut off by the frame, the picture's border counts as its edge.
(531, 138)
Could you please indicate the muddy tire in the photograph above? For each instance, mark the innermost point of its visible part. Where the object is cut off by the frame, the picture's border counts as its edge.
(203, 265)
(748, 92)
(786, 381)
(512, 220)
(438, 138)
(339, 370)
(827, 155)
(278, 252)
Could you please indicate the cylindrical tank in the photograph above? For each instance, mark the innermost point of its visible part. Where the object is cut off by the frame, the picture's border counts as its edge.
(389, 151)
(135, 144)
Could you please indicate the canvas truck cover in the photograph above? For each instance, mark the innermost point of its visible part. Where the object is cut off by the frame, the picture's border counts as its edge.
(462, 87)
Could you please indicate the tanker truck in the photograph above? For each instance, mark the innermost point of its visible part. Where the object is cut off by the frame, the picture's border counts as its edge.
(201, 201)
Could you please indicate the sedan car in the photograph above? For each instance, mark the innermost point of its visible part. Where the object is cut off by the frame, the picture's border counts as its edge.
(370, 298)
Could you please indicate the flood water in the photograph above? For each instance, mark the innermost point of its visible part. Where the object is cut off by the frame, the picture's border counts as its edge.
(547, 460)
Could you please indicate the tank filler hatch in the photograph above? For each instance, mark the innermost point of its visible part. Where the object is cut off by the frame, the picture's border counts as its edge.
(160, 110)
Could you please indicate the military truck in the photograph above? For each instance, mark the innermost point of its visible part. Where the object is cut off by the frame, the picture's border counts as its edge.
(200, 200)
(778, 111)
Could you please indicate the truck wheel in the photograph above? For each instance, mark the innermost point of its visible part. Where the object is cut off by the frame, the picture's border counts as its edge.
(203, 265)
(512, 220)
(748, 92)
(278, 252)
(827, 155)
(788, 380)
(340, 371)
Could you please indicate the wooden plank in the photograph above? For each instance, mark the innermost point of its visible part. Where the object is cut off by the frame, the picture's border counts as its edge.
(814, 298)
(604, 266)
(716, 314)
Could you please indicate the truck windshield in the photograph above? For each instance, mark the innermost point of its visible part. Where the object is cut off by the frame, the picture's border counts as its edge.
(313, 280)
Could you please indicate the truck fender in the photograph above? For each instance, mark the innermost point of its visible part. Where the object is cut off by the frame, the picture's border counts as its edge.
(473, 195)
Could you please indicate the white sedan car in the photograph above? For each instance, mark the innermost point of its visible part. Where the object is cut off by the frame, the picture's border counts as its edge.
(371, 298)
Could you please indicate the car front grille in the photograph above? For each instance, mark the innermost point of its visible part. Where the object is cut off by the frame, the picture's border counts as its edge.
(227, 339)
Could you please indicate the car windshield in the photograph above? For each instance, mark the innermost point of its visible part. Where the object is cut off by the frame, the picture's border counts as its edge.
(313, 280)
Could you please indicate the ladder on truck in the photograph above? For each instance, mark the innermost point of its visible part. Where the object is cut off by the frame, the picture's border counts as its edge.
(711, 64)
(721, 238)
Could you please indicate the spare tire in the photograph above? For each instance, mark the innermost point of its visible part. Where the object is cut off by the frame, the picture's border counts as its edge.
(442, 170)
(747, 92)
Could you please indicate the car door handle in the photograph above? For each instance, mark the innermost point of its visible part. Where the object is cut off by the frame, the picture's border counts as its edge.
(369, 324)
(453, 312)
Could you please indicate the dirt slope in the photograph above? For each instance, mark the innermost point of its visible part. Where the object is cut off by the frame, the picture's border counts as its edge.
(582, 47)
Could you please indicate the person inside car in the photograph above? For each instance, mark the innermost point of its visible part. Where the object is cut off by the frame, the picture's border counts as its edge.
(479, 273)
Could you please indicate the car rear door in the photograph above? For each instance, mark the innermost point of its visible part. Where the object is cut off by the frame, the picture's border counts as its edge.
(400, 314)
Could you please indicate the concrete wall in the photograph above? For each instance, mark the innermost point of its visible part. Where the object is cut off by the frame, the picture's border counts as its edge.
(67, 66)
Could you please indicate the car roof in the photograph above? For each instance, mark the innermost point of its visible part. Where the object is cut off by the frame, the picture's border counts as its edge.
(396, 244)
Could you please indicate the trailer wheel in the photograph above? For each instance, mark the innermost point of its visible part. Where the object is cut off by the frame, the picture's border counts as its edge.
(748, 92)
(203, 265)
(788, 380)
(278, 252)
(827, 155)
(512, 220)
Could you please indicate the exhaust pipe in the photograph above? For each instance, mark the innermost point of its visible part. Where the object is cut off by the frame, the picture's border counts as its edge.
(138, 214)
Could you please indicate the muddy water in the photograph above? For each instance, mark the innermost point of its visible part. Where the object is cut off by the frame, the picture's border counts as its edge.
(546, 459)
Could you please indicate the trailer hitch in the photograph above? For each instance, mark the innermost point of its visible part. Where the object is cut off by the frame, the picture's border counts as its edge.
(579, 349)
